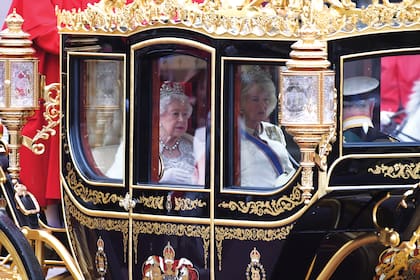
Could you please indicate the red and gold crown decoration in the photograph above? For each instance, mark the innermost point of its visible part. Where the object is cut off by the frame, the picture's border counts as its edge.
(255, 256)
(101, 261)
(169, 253)
(255, 270)
(401, 261)
(167, 267)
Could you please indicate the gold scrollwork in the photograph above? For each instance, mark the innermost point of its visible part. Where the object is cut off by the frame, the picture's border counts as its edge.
(400, 262)
(398, 170)
(93, 223)
(248, 234)
(153, 202)
(273, 207)
(188, 204)
(157, 228)
(250, 18)
(86, 194)
(181, 204)
(52, 116)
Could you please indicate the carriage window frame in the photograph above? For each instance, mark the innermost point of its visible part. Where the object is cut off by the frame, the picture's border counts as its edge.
(78, 135)
(345, 71)
(230, 108)
(145, 91)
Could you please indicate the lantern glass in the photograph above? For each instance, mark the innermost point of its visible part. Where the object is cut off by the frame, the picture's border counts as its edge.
(104, 83)
(22, 84)
(2, 82)
(329, 98)
(300, 98)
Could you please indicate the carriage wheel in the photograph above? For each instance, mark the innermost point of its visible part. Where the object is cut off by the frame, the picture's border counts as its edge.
(17, 258)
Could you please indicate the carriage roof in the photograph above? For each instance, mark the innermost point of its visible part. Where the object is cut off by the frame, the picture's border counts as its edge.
(253, 19)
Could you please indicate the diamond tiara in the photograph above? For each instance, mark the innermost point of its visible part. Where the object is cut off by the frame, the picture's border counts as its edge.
(253, 73)
(169, 88)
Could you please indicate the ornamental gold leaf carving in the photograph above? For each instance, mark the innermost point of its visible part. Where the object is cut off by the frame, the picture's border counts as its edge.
(86, 194)
(248, 234)
(188, 204)
(398, 170)
(153, 202)
(260, 208)
(156, 228)
(96, 223)
(279, 19)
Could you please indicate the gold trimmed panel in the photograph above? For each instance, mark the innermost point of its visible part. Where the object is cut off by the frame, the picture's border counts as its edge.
(185, 204)
(248, 234)
(86, 194)
(93, 223)
(156, 228)
(398, 170)
(181, 204)
(153, 202)
(261, 208)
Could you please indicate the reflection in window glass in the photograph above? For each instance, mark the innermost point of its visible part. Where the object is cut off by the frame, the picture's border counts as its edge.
(102, 88)
(183, 117)
(380, 99)
(400, 96)
(262, 159)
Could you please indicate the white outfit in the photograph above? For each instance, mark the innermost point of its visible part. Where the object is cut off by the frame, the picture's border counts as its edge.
(179, 170)
(117, 168)
(257, 170)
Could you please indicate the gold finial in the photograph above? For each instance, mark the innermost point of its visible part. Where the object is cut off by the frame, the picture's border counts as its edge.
(13, 40)
(14, 22)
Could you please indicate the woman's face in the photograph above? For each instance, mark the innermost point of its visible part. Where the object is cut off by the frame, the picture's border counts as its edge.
(255, 105)
(175, 120)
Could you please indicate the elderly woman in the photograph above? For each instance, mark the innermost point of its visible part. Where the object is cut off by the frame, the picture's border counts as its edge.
(265, 161)
(175, 145)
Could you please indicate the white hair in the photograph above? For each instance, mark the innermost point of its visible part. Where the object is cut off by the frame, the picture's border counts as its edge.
(166, 100)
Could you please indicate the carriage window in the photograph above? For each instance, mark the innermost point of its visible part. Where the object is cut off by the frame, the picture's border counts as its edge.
(180, 91)
(261, 159)
(101, 122)
(380, 99)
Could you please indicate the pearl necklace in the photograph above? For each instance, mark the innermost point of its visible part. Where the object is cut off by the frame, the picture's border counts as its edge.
(170, 149)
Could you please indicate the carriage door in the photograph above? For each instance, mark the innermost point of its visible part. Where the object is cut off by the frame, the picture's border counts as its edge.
(93, 129)
(171, 112)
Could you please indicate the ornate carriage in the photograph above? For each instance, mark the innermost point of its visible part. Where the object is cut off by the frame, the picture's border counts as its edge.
(347, 211)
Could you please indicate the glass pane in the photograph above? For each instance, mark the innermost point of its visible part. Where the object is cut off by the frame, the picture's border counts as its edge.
(301, 99)
(102, 117)
(183, 118)
(381, 98)
(22, 84)
(400, 97)
(261, 158)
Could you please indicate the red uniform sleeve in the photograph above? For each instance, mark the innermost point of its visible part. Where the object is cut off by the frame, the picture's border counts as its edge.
(40, 22)
(390, 96)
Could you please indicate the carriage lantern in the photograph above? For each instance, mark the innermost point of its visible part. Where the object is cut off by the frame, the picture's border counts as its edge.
(308, 102)
(19, 85)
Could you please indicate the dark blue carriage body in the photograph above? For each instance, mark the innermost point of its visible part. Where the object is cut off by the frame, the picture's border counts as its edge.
(120, 225)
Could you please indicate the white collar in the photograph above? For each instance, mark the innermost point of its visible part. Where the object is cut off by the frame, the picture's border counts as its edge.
(357, 121)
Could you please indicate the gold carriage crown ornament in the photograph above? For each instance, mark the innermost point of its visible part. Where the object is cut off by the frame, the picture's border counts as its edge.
(169, 253)
(255, 270)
